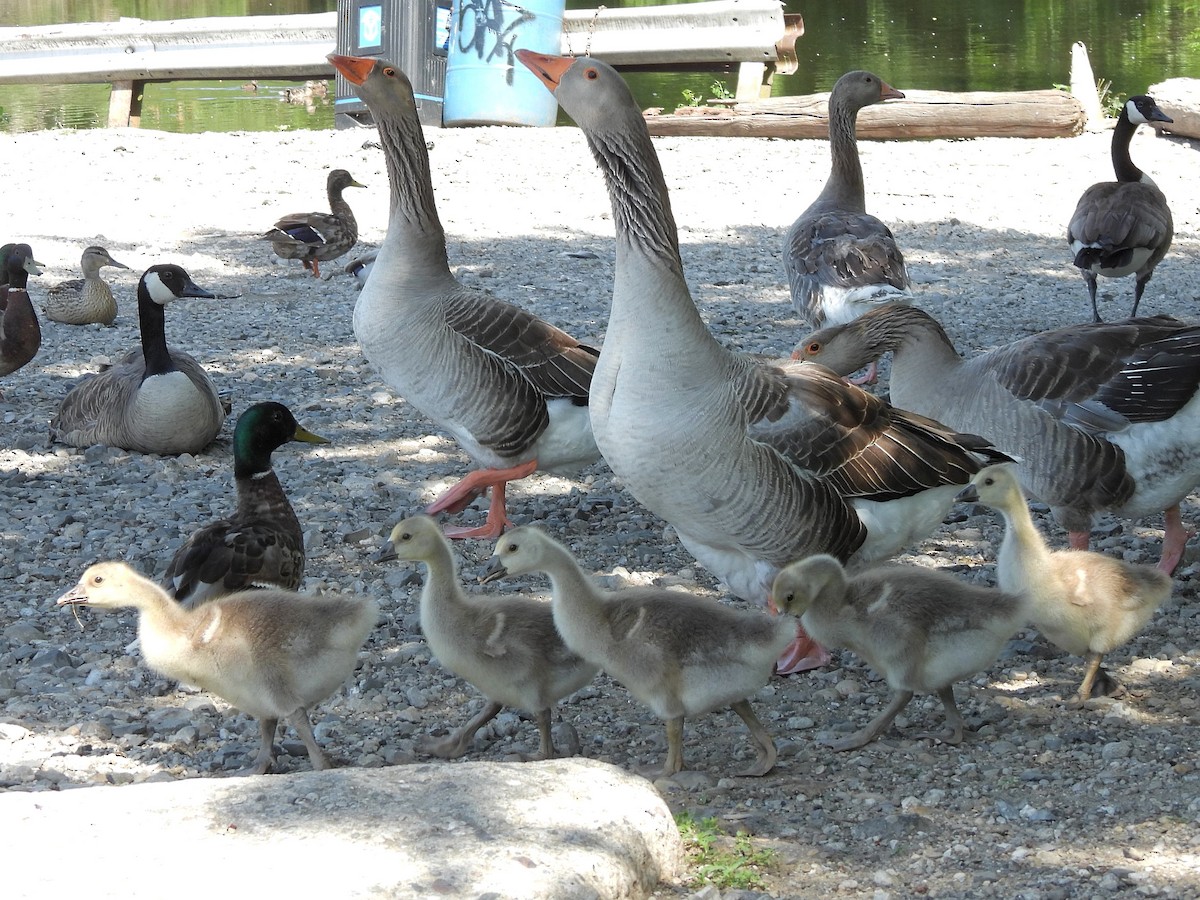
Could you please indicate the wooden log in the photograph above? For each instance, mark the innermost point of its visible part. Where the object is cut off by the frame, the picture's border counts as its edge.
(1179, 98)
(921, 115)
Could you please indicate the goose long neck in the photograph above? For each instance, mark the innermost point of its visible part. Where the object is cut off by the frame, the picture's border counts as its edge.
(152, 321)
(413, 221)
(1123, 165)
(844, 187)
(1021, 536)
(572, 587)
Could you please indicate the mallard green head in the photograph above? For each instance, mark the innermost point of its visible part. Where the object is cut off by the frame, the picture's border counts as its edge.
(260, 430)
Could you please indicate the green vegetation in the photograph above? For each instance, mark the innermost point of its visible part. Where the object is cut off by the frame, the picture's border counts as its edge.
(721, 860)
(717, 88)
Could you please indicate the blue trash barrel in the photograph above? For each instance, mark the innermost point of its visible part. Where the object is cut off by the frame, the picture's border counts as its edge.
(485, 84)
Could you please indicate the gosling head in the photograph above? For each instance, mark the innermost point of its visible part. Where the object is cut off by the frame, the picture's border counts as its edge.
(995, 486)
(108, 585)
(798, 585)
(518, 552)
(415, 539)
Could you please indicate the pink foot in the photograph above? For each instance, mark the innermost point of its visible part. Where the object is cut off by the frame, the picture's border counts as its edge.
(801, 655)
(476, 483)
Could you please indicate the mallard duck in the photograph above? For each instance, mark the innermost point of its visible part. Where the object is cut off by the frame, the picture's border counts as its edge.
(1101, 416)
(1086, 603)
(510, 387)
(507, 647)
(82, 302)
(1122, 227)
(153, 400)
(755, 463)
(316, 237)
(921, 629)
(360, 267)
(20, 332)
(271, 653)
(681, 655)
(840, 260)
(261, 544)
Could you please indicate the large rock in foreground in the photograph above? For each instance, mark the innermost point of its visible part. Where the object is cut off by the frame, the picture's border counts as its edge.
(560, 829)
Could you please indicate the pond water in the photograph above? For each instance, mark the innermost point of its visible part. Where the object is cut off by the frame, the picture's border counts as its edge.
(952, 45)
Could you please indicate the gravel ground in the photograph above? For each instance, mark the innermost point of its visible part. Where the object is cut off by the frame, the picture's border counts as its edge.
(1038, 802)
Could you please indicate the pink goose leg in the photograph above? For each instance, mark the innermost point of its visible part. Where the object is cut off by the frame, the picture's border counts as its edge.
(801, 654)
(460, 496)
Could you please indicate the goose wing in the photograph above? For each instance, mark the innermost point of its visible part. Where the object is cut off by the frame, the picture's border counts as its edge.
(1121, 215)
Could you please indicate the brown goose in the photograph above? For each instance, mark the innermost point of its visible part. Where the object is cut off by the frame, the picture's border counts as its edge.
(1122, 227)
(261, 544)
(82, 302)
(316, 237)
(1101, 416)
(840, 259)
(755, 464)
(20, 333)
(510, 387)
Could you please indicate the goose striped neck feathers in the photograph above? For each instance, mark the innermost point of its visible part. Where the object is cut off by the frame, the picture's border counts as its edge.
(845, 189)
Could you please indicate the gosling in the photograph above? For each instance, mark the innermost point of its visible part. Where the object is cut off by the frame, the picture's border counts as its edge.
(1084, 602)
(920, 628)
(271, 653)
(679, 655)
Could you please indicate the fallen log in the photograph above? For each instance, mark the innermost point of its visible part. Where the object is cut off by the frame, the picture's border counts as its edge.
(921, 115)
(1179, 98)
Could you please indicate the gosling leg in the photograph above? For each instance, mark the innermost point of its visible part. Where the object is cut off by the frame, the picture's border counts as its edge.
(266, 748)
(1089, 677)
(456, 744)
(953, 732)
(674, 761)
(546, 739)
(765, 748)
(876, 726)
(299, 721)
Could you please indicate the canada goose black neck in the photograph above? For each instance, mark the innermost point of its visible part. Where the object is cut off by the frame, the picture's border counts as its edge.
(158, 286)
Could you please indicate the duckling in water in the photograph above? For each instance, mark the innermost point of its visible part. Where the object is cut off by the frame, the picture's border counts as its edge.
(270, 653)
(1085, 602)
(507, 647)
(678, 654)
(920, 628)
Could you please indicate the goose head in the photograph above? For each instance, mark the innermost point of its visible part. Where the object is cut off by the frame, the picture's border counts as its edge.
(584, 87)
(165, 282)
(798, 585)
(1142, 110)
(415, 539)
(859, 89)
(107, 585)
(95, 258)
(996, 486)
(380, 84)
(263, 428)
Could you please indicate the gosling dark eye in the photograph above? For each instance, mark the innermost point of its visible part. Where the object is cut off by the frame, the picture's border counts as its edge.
(511, 548)
(989, 481)
(591, 74)
(97, 579)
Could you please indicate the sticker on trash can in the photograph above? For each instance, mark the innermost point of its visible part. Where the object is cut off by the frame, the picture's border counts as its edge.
(370, 27)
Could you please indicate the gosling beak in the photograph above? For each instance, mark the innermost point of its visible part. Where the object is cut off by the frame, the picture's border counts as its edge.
(967, 495)
(74, 597)
(386, 553)
(493, 572)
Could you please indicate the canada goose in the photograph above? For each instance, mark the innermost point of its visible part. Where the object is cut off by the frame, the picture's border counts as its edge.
(261, 544)
(1086, 603)
(921, 629)
(840, 259)
(316, 237)
(511, 388)
(680, 655)
(154, 399)
(755, 464)
(82, 302)
(1102, 416)
(1122, 227)
(507, 647)
(20, 333)
(271, 653)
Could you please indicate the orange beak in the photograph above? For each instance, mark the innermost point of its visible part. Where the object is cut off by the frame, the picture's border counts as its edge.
(354, 69)
(887, 92)
(549, 69)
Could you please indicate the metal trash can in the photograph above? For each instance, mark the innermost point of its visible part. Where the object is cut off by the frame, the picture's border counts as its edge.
(412, 34)
(485, 84)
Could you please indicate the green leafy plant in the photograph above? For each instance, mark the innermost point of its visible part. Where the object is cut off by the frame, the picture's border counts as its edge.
(720, 860)
(719, 91)
(691, 98)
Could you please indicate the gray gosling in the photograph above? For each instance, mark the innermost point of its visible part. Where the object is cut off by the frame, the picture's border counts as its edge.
(679, 655)
(920, 628)
(1084, 602)
(506, 647)
(271, 653)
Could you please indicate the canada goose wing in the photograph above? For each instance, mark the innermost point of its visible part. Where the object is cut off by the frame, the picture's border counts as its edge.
(93, 408)
(1122, 215)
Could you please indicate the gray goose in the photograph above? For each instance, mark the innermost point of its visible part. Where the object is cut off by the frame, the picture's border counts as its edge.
(1101, 416)
(841, 260)
(511, 388)
(1086, 603)
(272, 653)
(261, 544)
(681, 655)
(152, 400)
(921, 629)
(86, 301)
(20, 332)
(315, 237)
(755, 464)
(1122, 227)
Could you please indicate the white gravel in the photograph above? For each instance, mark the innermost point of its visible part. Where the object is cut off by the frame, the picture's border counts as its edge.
(1039, 802)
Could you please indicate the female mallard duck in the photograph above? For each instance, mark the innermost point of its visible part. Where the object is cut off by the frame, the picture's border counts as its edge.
(261, 544)
(681, 655)
(1122, 227)
(154, 399)
(510, 387)
(507, 647)
(840, 259)
(1086, 603)
(1100, 416)
(82, 302)
(755, 464)
(922, 629)
(270, 653)
(316, 237)
(20, 333)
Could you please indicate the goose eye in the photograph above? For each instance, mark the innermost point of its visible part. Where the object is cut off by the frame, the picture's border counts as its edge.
(389, 72)
(511, 548)
(407, 536)
(591, 74)
(989, 481)
(97, 579)
(814, 347)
